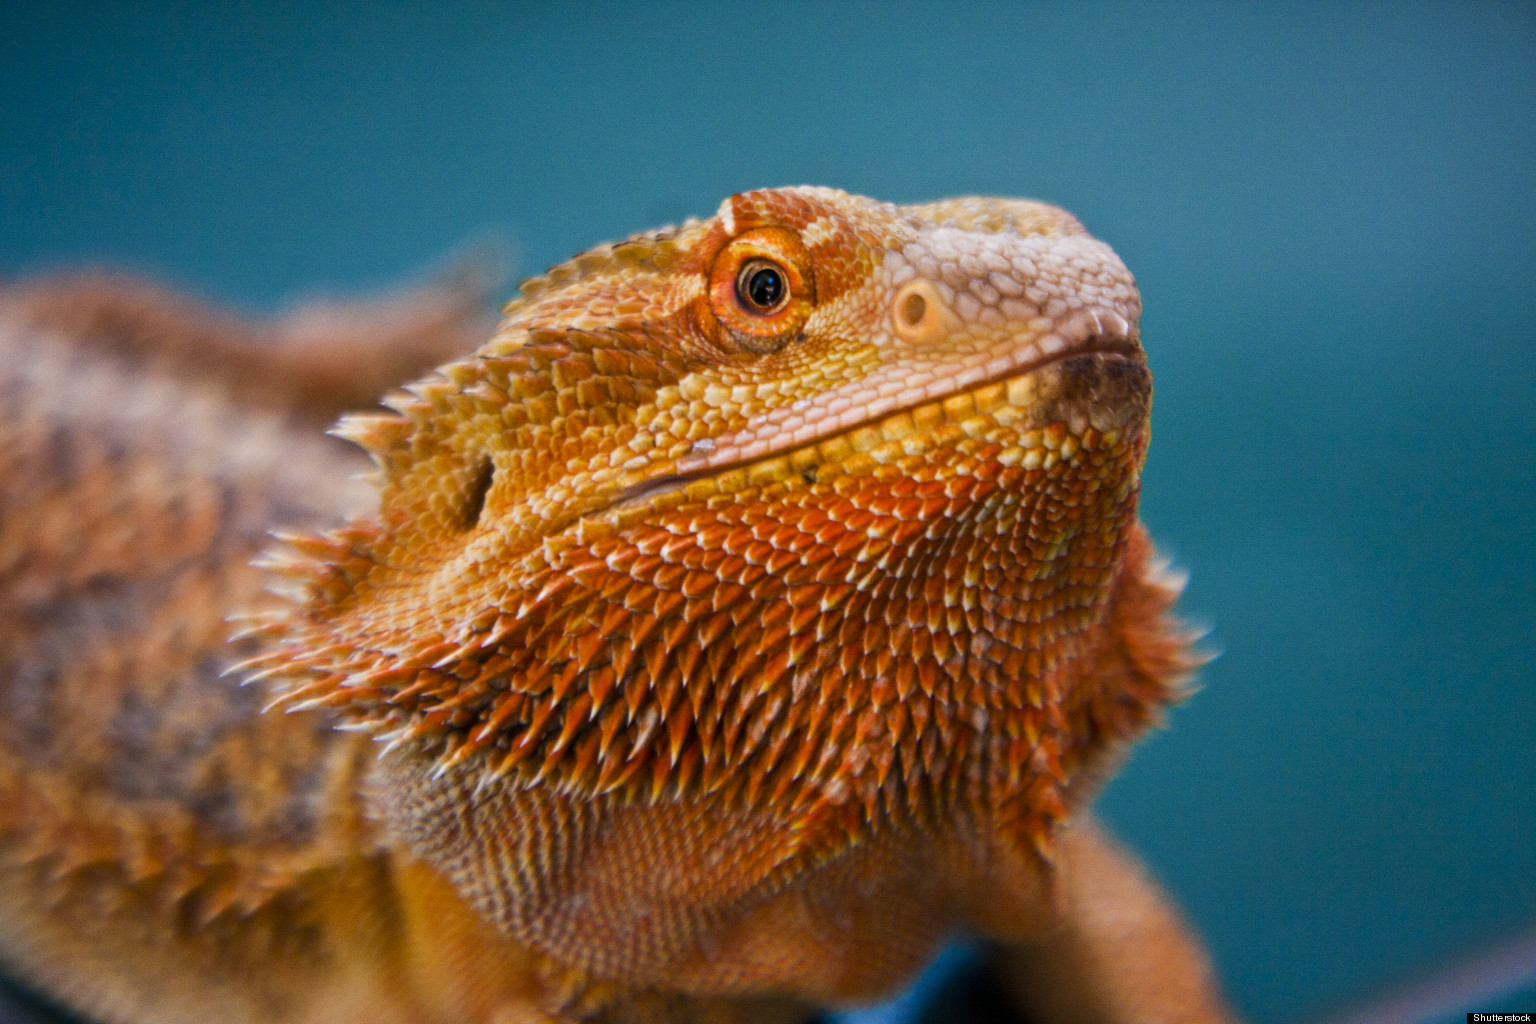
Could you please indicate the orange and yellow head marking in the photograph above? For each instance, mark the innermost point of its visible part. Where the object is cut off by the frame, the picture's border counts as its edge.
(820, 503)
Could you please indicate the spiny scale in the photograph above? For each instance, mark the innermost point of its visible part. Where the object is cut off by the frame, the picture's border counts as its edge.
(899, 616)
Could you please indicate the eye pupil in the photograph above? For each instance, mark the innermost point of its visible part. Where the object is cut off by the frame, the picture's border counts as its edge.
(762, 287)
(765, 287)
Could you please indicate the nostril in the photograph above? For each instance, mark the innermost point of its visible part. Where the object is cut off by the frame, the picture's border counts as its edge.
(918, 313)
(913, 308)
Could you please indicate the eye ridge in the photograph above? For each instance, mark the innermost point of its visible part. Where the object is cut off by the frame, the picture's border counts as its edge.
(762, 287)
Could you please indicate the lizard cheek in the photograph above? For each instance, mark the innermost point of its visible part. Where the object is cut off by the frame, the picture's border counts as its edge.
(918, 313)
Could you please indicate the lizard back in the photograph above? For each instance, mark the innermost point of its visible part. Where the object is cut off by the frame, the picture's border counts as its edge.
(156, 830)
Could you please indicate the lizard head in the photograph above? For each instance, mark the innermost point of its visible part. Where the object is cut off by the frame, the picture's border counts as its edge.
(815, 498)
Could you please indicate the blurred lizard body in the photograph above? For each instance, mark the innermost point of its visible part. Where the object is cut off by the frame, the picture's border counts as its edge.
(760, 605)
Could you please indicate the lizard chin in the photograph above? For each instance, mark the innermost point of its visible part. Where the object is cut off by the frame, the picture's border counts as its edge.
(1101, 382)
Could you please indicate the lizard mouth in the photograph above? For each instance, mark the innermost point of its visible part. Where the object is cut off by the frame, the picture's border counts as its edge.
(1008, 380)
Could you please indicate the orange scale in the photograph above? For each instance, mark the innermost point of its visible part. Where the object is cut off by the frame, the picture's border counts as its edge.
(667, 603)
(649, 539)
(615, 586)
(908, 508)
(830, 570)
(669, 577)
(828, 532)
(799, 572)
(737, 541)
(848, 545)
(673, 549)
(735, 569)
(793, 539)
(777, 614)
(710, 536)
(764, 528)
(697, 584)
(811, 517)
(725, 594)
(711, 629)
(645, 567)
(758, 553)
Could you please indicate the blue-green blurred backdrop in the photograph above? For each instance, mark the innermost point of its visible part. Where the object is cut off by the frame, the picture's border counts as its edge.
(1332, 213)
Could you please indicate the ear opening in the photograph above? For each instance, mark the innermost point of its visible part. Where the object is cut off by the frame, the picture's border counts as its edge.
(474, 502)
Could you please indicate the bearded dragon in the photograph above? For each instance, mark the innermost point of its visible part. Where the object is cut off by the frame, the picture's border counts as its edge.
(759, 605)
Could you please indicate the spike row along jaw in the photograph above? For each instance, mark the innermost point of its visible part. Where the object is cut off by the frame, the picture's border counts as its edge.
(856, 561)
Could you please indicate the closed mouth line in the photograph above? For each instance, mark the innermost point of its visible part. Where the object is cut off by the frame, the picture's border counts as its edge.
(1119, 348)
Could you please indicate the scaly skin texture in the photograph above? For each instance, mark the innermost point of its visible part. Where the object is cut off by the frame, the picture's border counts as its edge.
(728, 640)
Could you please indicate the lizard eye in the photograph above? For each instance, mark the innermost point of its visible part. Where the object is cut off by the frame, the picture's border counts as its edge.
(760, 288)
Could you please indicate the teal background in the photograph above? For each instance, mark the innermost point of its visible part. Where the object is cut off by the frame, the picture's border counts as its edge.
(1330, 211)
